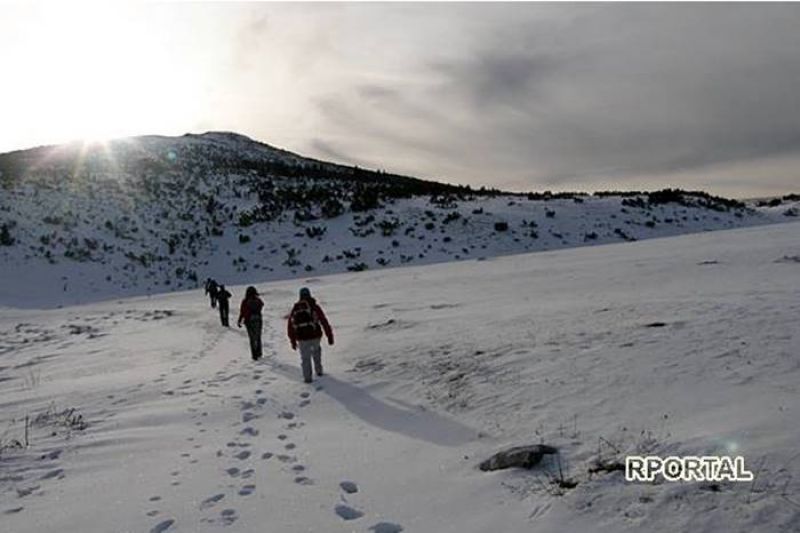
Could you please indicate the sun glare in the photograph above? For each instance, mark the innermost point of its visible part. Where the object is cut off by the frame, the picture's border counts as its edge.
(93, 73)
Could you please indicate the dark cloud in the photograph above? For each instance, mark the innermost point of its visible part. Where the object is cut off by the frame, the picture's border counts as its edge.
(495, 77)
(561, 95)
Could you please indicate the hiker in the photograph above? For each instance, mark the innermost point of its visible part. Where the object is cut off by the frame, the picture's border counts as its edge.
(211, 290)
(250, 314)
(224, 307)
(305, 326)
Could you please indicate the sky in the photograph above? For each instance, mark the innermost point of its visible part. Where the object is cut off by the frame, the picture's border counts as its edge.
(534, 96)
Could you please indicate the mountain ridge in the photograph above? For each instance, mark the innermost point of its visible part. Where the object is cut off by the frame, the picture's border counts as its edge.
(154, 213)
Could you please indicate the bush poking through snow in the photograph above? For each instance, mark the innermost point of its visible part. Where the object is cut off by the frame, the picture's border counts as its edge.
(501, 226)
(5, 236)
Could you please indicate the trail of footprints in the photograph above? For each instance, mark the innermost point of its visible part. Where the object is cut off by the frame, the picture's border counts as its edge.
(27, 478)
(242, 458)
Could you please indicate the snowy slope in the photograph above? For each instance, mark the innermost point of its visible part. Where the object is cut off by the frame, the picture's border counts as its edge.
(435, 368)
(154, 214)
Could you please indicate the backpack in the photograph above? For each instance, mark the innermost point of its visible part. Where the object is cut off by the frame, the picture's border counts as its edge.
(304, 319)
(254, 306)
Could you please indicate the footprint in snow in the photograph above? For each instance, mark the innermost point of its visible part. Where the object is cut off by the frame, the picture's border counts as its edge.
(211, 501)
(233, 472)
(244, 454)
(303, 480)
(252, 432)
(386, 527)
(22, 493)
(303, 403)
(57, 473)
(247, 417)
(282, 437)
(162, 526)
(152, 513)
(266, 455)
(349, 487)
(288, 415)
(291, 446)
(305, 394)
(154, 498)
(247, 490)
(15, 510)
(228, 516)
(346, 512)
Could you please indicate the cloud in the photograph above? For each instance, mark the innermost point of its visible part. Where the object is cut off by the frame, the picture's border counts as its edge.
(575, 95)
(520, 95)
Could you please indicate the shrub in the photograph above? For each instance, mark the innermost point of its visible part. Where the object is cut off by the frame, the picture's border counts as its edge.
(388, 227)
(5, 236)
(332, 208)
(364, 199)
(316, 231)
(451, 217)
(357, 267)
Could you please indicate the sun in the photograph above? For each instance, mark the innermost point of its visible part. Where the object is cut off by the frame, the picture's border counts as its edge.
(92, 73)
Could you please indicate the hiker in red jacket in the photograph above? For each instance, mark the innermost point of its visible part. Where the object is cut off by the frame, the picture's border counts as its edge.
(250, 314)
(305, 326)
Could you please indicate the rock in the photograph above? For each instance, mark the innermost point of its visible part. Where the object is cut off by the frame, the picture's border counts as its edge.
(520, 456)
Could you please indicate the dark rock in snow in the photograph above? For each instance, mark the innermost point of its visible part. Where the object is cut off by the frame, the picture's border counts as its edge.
(519, 456)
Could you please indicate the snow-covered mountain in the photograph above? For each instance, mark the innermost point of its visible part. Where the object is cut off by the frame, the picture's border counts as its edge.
(152, 214)
(145, 414)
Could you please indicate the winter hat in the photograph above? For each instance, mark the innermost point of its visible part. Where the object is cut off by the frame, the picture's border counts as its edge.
(251, 291)
(305, 292)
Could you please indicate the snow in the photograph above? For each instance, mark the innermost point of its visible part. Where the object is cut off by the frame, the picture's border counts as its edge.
(132, 219)
(684, 345)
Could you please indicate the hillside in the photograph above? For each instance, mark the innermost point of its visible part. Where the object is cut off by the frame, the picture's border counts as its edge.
(152, 214)
(146, 415)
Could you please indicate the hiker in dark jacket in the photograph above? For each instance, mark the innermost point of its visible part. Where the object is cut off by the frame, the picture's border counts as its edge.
(305, 326)
(250, 314)
(211, 289)
(223, 297)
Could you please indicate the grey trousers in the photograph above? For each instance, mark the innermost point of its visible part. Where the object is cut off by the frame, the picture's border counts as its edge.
(310, 350)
